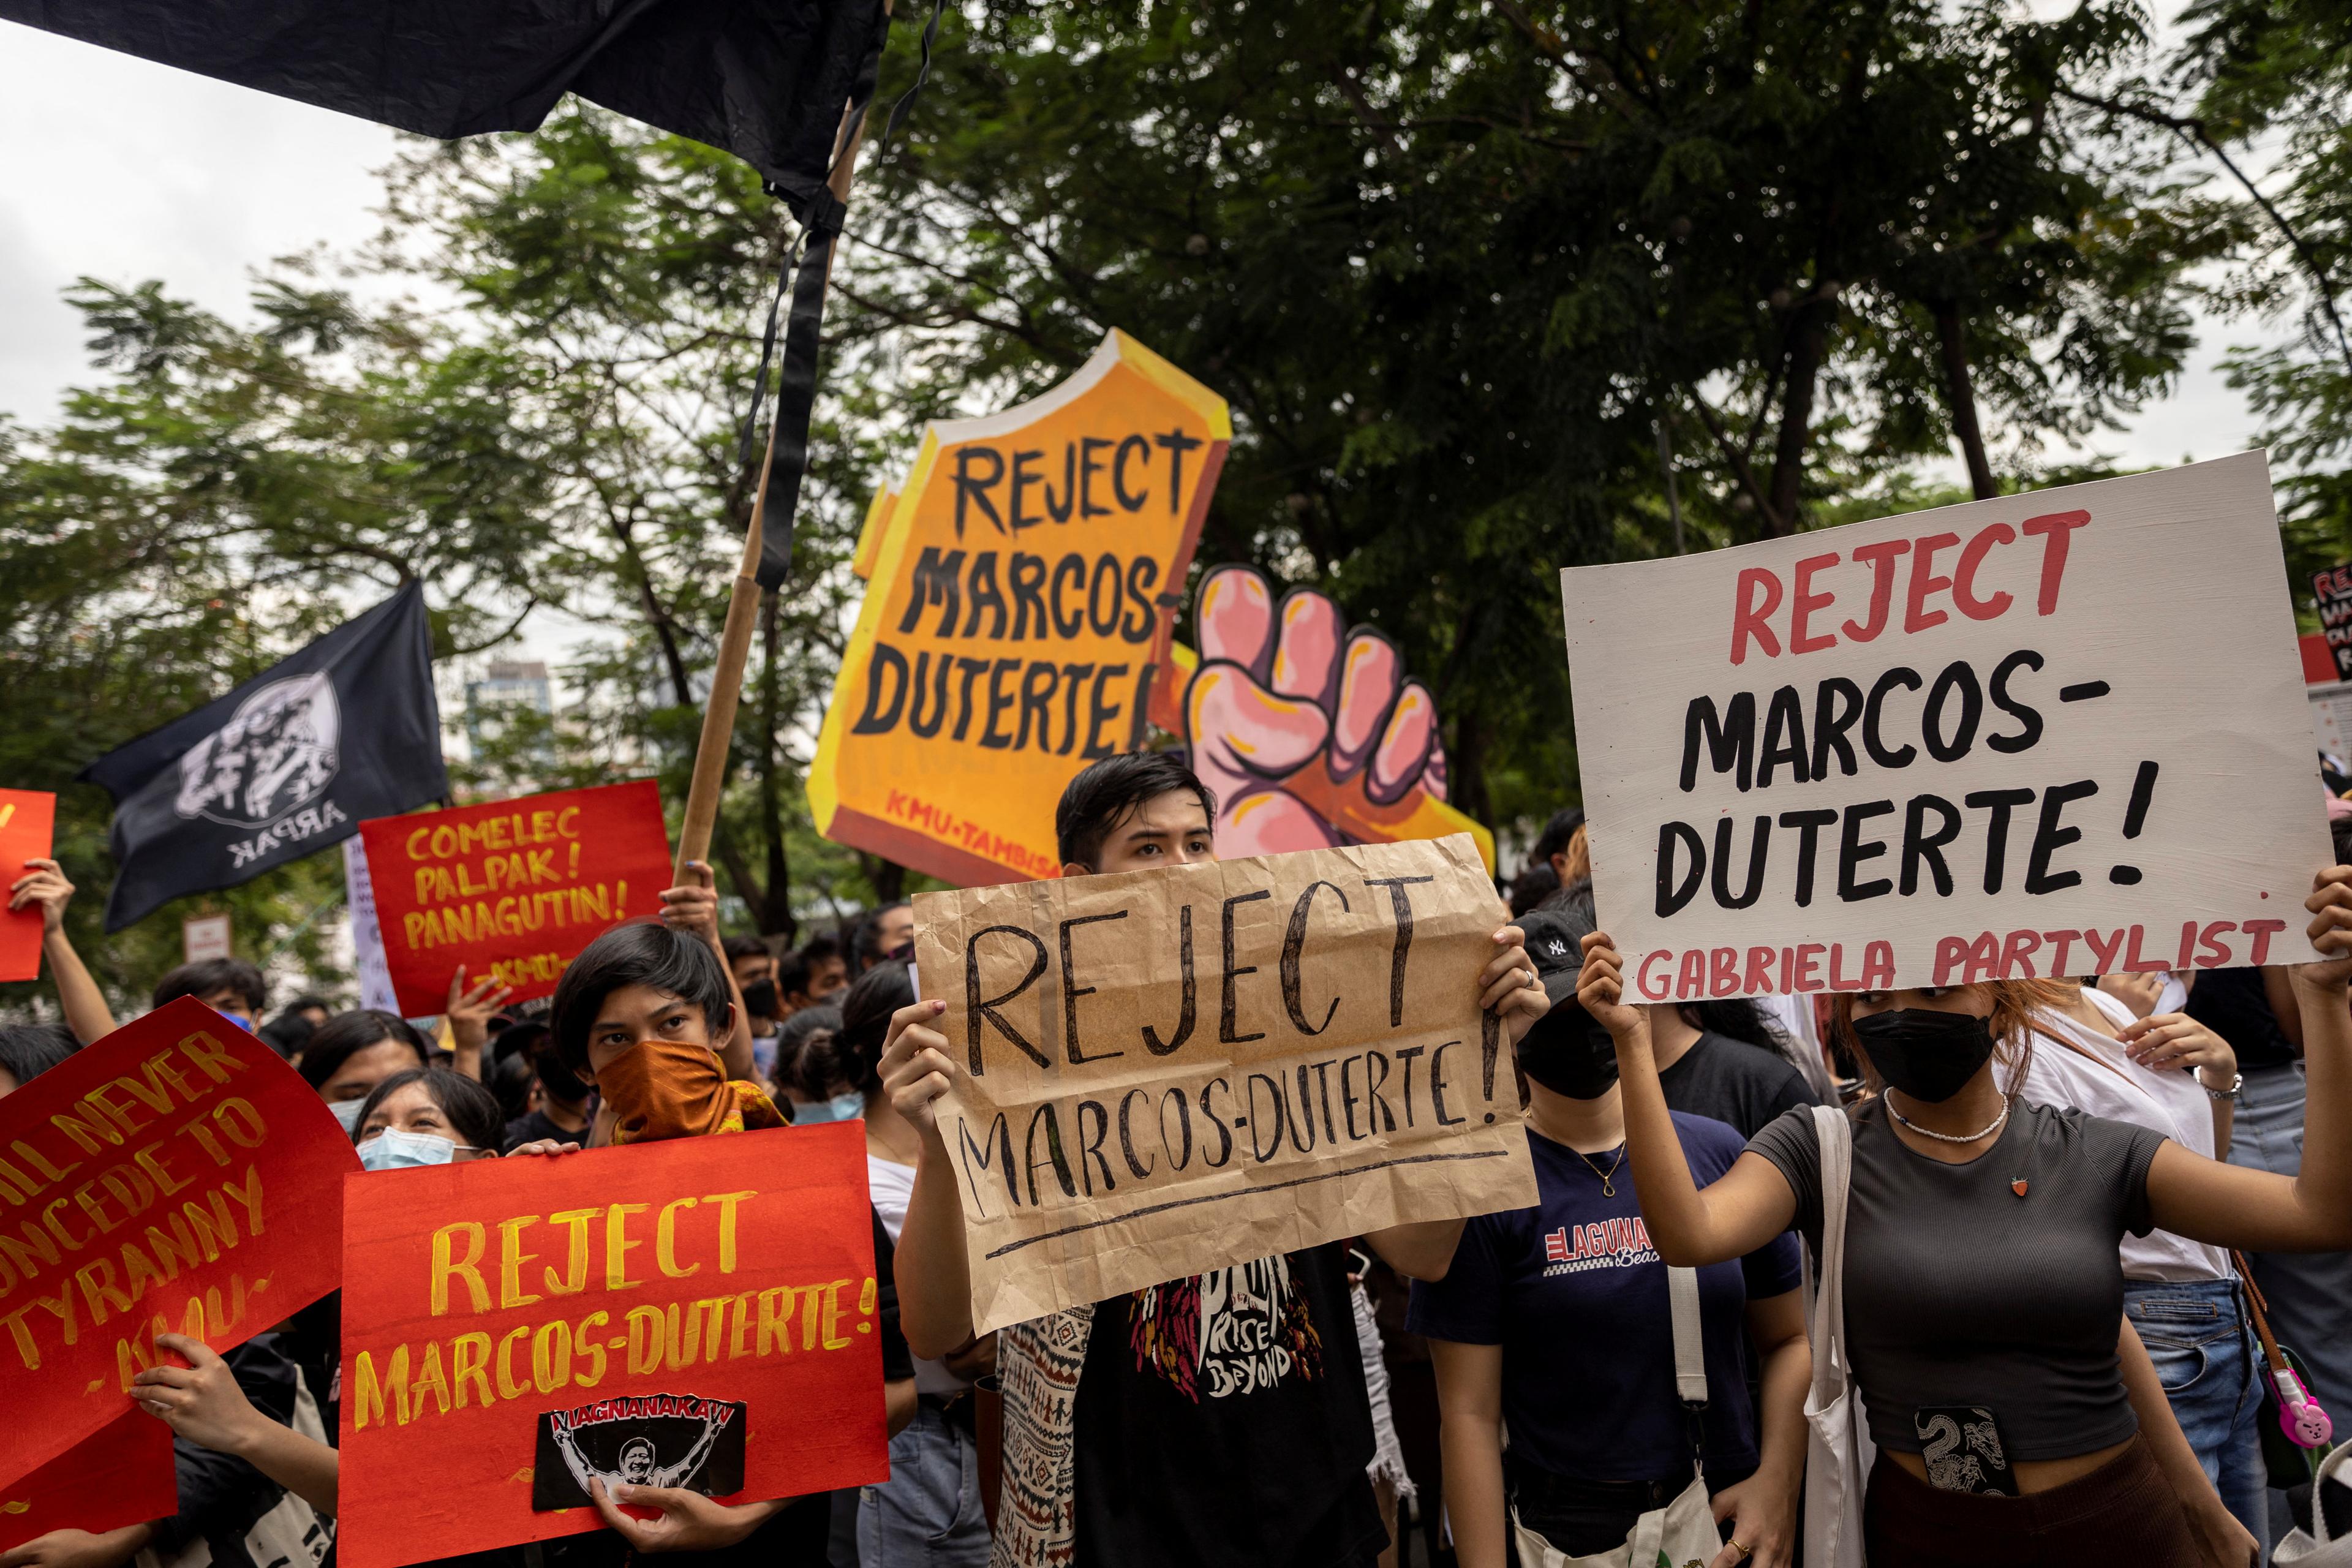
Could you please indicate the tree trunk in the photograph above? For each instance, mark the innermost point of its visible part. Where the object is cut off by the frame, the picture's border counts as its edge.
(774, 912)
(1809, 333)
(1951, 332)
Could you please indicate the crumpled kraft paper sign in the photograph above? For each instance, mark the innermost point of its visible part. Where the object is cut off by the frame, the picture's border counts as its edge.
(1164, 1072)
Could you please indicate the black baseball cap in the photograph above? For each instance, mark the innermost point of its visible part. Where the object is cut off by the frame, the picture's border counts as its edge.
(1554, 938)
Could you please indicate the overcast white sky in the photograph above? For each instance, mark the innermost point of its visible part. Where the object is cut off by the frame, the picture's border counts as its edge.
(123, 170)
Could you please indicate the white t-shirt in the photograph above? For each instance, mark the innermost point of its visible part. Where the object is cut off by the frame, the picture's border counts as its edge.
(893, 1187)
(2167, 1100)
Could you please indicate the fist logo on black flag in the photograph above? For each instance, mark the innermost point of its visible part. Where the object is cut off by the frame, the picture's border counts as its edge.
(639, 1440)
(277, 752)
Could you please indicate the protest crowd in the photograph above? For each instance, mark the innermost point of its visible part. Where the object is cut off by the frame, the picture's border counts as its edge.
(2096, 1353)
(1895, 1110)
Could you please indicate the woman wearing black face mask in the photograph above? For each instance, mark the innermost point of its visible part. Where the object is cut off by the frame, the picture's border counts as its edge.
(1983, 1289)
(1555, 1323)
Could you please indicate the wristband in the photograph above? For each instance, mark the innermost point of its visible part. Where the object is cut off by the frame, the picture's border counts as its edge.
(2237, 1080)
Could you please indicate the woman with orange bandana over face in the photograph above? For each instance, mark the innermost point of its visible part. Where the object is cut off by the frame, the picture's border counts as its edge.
(645, 1011)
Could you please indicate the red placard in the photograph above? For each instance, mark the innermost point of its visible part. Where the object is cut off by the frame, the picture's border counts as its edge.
(122, 1476)
(28, 819)
(514, 888)
(174, 1177)
(479, 1298)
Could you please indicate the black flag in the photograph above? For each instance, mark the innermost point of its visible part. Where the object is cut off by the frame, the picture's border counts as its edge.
(281, 767)
(764, 81)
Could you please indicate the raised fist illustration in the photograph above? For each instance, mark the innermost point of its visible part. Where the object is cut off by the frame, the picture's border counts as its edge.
(1308, 730)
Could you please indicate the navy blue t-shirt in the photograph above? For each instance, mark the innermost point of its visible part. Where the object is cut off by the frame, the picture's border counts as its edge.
(1576, 1296)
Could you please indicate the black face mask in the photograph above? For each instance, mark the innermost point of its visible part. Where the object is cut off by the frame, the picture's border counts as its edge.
(760, 999)
(1927, 1055)
(1570, 1053)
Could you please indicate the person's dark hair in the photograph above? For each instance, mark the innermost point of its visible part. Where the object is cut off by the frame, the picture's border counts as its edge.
(866, 1021)
(2339, 832)
(341, 1038)
(642, 952)
(869, 934)
(474, 1113)
(1109, 791)
(736, 947)
(214, 974)
(510, 1080)
(28, 1050)
(816, 1067)
(287, 1033)
(824, 1015)
(559, 1083)
(1537, 880)
(793, 970)
(1738, 1018)
(522, 1038)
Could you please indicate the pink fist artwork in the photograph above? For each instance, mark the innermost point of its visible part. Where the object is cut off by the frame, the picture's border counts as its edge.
(1308, 730)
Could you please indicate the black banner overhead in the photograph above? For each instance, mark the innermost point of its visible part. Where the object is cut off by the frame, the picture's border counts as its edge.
(764, 81)
(283, 766)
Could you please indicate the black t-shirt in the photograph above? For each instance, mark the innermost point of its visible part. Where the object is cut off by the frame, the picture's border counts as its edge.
(1222, 1418)
(2234, 1005)
(530, 1129)
(1963, 1290)
(1745, 1086)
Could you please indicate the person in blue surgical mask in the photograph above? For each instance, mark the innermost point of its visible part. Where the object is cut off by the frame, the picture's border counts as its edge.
(426, 1116)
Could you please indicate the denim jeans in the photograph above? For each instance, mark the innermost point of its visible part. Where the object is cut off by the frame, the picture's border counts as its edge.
(2310, 1293)
(928, 1514)
(2206, 1356)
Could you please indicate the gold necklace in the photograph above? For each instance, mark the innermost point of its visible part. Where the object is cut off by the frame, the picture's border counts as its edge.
(1607, 1176)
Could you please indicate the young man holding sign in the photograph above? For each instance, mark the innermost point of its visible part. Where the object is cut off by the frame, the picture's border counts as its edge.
(1151, 1456)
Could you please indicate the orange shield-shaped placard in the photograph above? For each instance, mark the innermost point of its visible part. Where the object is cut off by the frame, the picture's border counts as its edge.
(1023, 584)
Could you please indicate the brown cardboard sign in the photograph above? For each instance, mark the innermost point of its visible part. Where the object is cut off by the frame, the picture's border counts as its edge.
(1163, 1072)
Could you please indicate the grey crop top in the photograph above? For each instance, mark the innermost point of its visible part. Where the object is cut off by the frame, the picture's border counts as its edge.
(1959, 1291)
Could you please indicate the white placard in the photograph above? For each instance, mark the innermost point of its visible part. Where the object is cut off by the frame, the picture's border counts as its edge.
(367, 936)
(204, 938)
(2055, 733)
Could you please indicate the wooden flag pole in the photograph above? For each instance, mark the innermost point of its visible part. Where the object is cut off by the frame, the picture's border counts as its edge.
(743, 603)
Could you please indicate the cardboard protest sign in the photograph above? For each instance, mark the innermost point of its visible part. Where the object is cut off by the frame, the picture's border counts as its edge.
(1169, 1071)
(514, 888)
(1021, 589)
(120, 1475)
(1944, 747)
(700, 1313)
(28, 818)
(174, 1177)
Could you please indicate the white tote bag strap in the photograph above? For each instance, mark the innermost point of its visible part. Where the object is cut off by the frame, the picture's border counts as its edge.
(1830, 1366)
(1690, 1350)
(2326, 1473)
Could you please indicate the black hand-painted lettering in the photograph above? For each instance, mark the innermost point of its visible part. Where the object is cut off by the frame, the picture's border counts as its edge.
(1406, 1056)
(1809, 825)
(1921, 847)
(1399, 906)
(2049, 837)
(1729, 739)
(1852, 852)
(1071, 991)
(979, 1008)
(1294, 942)
(2028, 719)
(1151, 1040)
(1437, 1085)
(1225, 1024)
(1873, 710)
(1722, 875)
(1136, 1167)
(1999, 802)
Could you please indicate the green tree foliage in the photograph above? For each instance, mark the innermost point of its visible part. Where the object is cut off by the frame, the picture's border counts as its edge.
(2267, 88)
(1453, 266)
